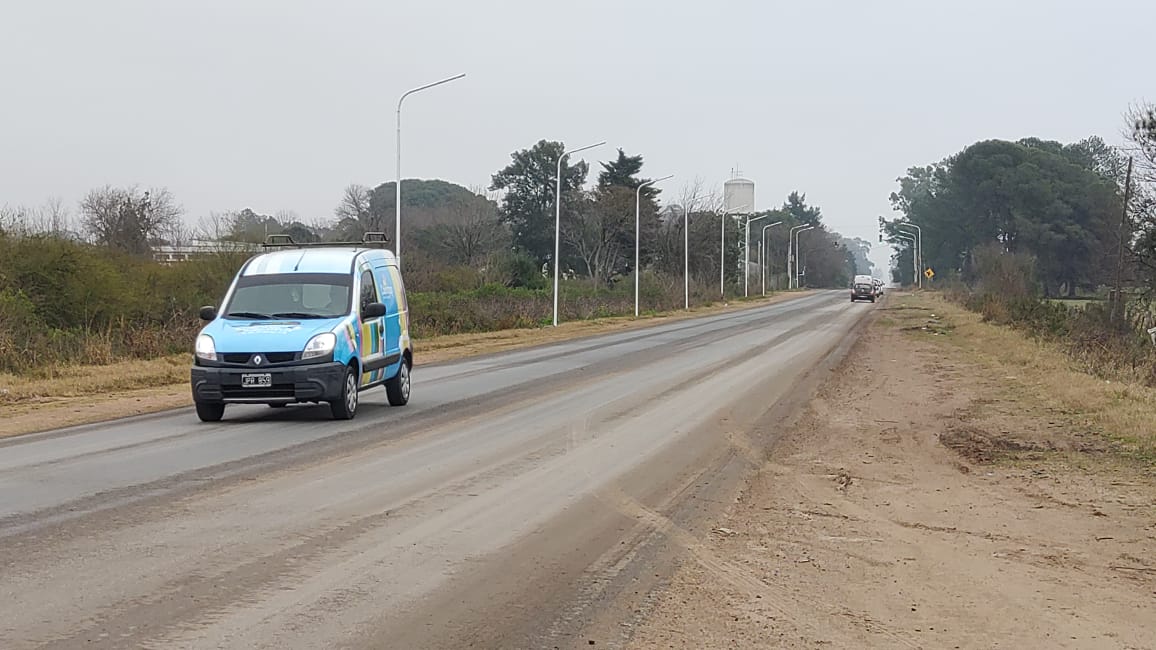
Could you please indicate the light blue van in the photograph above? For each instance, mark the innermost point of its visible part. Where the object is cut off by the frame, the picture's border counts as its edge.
(306, 323)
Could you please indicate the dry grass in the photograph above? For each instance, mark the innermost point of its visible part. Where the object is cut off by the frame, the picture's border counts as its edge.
(78, 381)
(1035, 378)
(64, 396)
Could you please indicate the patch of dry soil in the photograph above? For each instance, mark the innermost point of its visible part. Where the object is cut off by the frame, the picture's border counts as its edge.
(892, 517)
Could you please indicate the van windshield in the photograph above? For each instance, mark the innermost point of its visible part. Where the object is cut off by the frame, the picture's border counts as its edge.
(290, 295)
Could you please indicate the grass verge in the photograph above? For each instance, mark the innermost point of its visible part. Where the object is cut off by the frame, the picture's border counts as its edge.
(1085, 419)
(60, 396)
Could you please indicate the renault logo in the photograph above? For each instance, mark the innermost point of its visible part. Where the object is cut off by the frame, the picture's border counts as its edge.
(257, 360)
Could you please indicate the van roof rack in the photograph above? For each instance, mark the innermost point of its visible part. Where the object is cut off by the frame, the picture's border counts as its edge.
(371, 239)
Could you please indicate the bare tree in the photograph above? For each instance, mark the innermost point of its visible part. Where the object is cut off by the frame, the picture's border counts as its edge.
(598, 231)
(56, 218)
(354, 204)
(217, 226)
(52, 218)
(323, 227)
(703, 206)
(696, 197)
(178, 233)
(1140, 134)
(11, 219)
(464, 232)
(127, 220)
(286, 218)
(475, 234)
(493, 196)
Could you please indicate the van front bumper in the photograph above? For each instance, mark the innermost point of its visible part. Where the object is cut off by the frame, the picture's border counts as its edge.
(318, 382)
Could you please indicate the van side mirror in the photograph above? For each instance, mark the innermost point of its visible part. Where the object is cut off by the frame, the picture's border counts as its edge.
(208, 312)
(373, 310)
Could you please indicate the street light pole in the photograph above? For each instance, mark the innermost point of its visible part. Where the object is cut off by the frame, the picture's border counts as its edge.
(918, 250)
(791, 254)
(638, 231)
(747, 256)
(722, 254)
(722, 248)
(558, 221)
(397, 187)
(686, 257)
(798, 265)
(763, 252)
(907, 237)
(762, 266)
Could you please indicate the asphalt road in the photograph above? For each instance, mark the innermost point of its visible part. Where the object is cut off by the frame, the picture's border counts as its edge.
(528, 499)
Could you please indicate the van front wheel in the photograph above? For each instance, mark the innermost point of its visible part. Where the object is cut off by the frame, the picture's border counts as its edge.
(397, 388)
(210, 411)
(345, 406)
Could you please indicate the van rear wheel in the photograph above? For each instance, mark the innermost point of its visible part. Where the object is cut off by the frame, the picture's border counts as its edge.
(210, 411)
(345, 406)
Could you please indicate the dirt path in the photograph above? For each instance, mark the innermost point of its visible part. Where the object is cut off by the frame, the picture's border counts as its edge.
(925, 501)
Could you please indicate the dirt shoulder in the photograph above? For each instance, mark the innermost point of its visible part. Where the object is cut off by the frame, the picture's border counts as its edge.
(953, 486)
(70, 396)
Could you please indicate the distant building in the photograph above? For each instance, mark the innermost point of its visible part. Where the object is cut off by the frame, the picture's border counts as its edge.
(199, 248)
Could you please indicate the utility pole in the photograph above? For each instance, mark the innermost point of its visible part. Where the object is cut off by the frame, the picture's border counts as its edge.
(1118, 300)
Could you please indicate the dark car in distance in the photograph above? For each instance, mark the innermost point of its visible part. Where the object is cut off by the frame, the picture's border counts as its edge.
(863, 288)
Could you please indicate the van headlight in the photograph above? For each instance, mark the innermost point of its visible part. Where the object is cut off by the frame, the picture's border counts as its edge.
(206, 349)
(320, 346)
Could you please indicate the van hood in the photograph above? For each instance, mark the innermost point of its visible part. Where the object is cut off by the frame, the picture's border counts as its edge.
(288, 335)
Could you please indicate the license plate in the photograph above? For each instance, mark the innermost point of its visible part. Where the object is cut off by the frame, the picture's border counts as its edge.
(257, 380)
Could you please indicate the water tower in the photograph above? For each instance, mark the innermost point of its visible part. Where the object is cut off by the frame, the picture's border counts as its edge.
(738, 194)
(738, 199)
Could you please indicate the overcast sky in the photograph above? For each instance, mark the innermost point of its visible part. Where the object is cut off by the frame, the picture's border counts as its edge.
(277, 105)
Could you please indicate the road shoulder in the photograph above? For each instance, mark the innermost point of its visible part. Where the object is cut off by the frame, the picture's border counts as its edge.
(937, 492)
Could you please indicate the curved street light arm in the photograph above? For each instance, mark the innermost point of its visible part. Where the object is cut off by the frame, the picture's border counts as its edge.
(763, 253)
(397, 185)
(798, 267)
(558, 220)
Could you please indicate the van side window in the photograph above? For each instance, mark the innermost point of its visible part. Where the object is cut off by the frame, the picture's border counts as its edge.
(402, 299)
(368, 289)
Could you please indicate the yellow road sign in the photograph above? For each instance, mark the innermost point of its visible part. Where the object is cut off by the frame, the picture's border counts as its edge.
(929, 273)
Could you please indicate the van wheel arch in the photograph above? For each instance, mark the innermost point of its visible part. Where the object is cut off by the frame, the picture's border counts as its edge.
(345, 406)
(397, 388)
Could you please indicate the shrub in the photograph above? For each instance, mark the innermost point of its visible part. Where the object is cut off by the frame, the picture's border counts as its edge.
(1098, 344)
(64, 302)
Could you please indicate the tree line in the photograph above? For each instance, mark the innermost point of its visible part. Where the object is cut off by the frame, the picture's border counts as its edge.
(464, 238)
(1014, 228)
(1058, 205)
(80, 285)
(1060, 208)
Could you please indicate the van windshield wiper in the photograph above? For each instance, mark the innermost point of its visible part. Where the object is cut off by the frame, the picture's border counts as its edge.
(248, 314)
(298, 314)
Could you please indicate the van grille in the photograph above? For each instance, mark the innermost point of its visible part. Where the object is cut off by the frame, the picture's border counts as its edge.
(266, 357)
